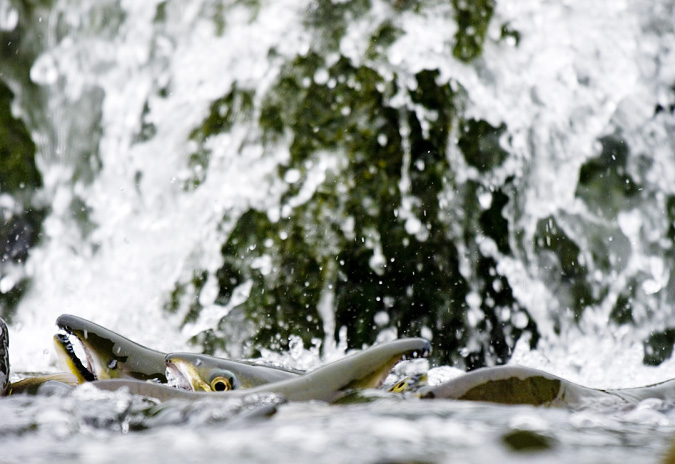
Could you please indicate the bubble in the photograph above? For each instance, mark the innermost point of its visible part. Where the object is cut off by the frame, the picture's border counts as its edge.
(473, 299)
(321, 76)
(381, 318)
(44, 71)
(295, 346)
(6, 284)
(519, 320)
(426, 333)
(292, 176)
(485, 200)
(9, 17)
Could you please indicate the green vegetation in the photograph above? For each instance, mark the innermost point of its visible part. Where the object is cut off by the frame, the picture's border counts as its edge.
(525, 441)
(658, 347)
(480, 144)
(472, 18)
(387, 254)
(19, 178)
(564, 272)
(604, 184)
(351, 236)
(17, 150)
(331, 19)
(236, 106)
(376, 235)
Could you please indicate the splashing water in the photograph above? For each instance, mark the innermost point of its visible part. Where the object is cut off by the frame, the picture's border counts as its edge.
(152, 126)
(124, 93)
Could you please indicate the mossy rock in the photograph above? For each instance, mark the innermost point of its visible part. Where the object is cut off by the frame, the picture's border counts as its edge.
(17, 150)
(659, 347)
(19, 178)
(472, 19)
(565, 273)
(525, 441)
(604, 182)
(480, 144)
(372, 236)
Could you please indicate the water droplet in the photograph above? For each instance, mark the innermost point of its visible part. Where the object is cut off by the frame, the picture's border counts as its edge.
(6, 284)
(485, 200)
(44, 71)
(295, 346)
(426, 333)
(519, 320)
(381, 318)
(292, 176)
(321, 76)
(9, 17)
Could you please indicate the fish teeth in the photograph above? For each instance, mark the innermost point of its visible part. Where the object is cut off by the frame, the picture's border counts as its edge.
(78, 353)
(176, 379)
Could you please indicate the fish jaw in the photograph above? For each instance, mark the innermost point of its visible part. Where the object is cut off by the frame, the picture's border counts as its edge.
(106, 354)
(183, 375)
(83, 367)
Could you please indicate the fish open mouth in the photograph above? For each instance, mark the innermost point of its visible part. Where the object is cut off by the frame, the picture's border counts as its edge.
(178, 375)
(75, 355)
(423, 353)
(175, 377)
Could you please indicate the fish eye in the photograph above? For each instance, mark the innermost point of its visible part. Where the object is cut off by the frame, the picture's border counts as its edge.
(400, 386)
(221, 384)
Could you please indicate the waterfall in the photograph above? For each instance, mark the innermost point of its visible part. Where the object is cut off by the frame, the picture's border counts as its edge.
(229, 176)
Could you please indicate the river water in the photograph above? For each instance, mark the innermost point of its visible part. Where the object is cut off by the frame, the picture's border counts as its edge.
(141, 190)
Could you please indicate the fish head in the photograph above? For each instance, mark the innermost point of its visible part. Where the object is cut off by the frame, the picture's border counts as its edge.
(201, 372)
(92, 352)
(197, 372)
(4, 358)
(369, 368)
(409, 384)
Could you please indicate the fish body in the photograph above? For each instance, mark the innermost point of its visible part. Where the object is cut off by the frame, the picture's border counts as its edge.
(4, 358)
(28, 385)
(366, 369)
(199, 372)
(104, 355)
(524, 385)
(107, 355)
(32, 385)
